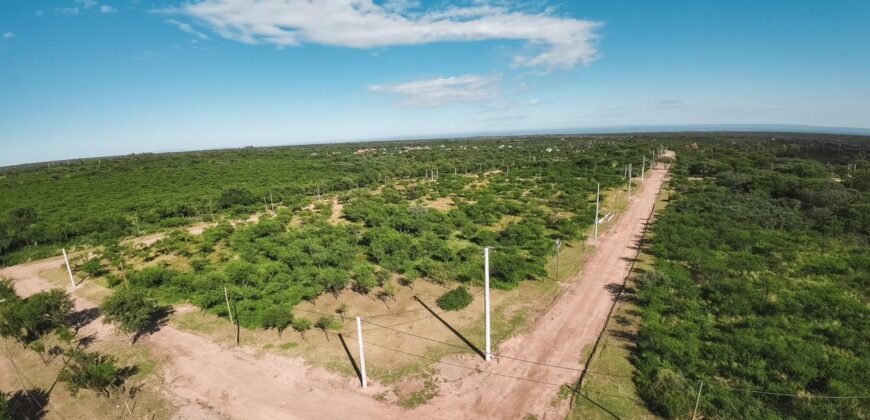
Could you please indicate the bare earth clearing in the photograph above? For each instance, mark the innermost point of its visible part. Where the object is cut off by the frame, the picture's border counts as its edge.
(205, 379)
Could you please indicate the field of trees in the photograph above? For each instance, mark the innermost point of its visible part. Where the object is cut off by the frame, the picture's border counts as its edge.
(760, 287)
(363, 216)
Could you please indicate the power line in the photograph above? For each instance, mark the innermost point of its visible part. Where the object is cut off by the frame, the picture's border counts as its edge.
(494, 354)
(779, 394)
(465, 367)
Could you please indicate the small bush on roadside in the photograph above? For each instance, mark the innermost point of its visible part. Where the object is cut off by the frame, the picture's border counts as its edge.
(455, 299)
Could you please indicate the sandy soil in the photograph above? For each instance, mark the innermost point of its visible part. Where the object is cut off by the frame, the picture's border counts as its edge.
(557, 338)
(207, 380)
(337, 212)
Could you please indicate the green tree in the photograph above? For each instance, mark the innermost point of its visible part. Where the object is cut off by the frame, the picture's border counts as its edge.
(455, 299)
(132, 311)
(324, 323)
(5, 412)
(92, 267)
(32, 318)
(91, 370)
(301, 325)
(276, 317)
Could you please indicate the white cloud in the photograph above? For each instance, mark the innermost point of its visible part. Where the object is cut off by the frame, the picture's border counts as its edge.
(552, 41)
(107, 9)
(67, 10)
(535, 101)
(8, 35)
(187, 28)
(444, 90)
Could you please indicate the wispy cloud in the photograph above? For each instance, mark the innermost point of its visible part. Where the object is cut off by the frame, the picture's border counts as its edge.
(67, 10)
(444, 91)
(187, 28)
(7, 36)
(552, 41)
(107, 9)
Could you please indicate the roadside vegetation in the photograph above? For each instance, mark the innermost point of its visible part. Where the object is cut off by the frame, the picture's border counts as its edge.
(760, 287)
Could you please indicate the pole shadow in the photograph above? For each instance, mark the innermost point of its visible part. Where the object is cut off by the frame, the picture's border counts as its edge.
(350, 357)
(453, 330)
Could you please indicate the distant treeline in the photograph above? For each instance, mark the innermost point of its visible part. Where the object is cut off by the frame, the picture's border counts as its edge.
(96, 200)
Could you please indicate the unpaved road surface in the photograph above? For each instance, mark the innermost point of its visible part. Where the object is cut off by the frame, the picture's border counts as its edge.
(206, 380)
(558, 337)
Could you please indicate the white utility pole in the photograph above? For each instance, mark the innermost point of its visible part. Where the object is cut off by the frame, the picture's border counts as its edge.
(362, 353)
(488, 354)
(271, 202)
(558, 248)
(597, 205)
(68, 270)
(642, 169)
(629, 181)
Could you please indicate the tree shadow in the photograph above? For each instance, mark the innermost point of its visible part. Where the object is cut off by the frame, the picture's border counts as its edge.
(28, 404)
(158, 319)
(81, 318)
(622, 320)
(624, 336)
(577, 393)
(350, 357)
(453, 330)
(86, 341)
(620, 293)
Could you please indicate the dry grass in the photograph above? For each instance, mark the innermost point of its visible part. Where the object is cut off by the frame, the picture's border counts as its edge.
(441, 204)
(147, 402)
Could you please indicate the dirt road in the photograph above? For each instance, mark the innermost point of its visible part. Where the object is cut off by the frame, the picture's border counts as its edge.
(557, 338)
(207, 380)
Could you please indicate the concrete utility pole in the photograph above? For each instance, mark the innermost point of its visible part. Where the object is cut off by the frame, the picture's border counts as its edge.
(68, 270)
(629, 181)
(362, 353)
(642, 169)
(597, 206)
(272, 202)
(488, 354)
(558, 248)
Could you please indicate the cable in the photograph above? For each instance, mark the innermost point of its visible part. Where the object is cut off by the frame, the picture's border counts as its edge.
(494, 354)
(463, 366)
(833, 397)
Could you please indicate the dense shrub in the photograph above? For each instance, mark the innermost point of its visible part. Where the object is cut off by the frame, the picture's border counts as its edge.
(455, 300)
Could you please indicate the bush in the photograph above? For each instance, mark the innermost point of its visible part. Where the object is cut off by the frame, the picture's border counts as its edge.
(455, 299)
(91, 370)
(132, 311)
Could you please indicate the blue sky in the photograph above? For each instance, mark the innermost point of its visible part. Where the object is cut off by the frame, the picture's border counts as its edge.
(102, 77)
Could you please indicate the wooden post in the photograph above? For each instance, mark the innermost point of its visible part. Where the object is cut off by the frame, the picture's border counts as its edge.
(230, 311)
(697, 400)
(68, 269)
